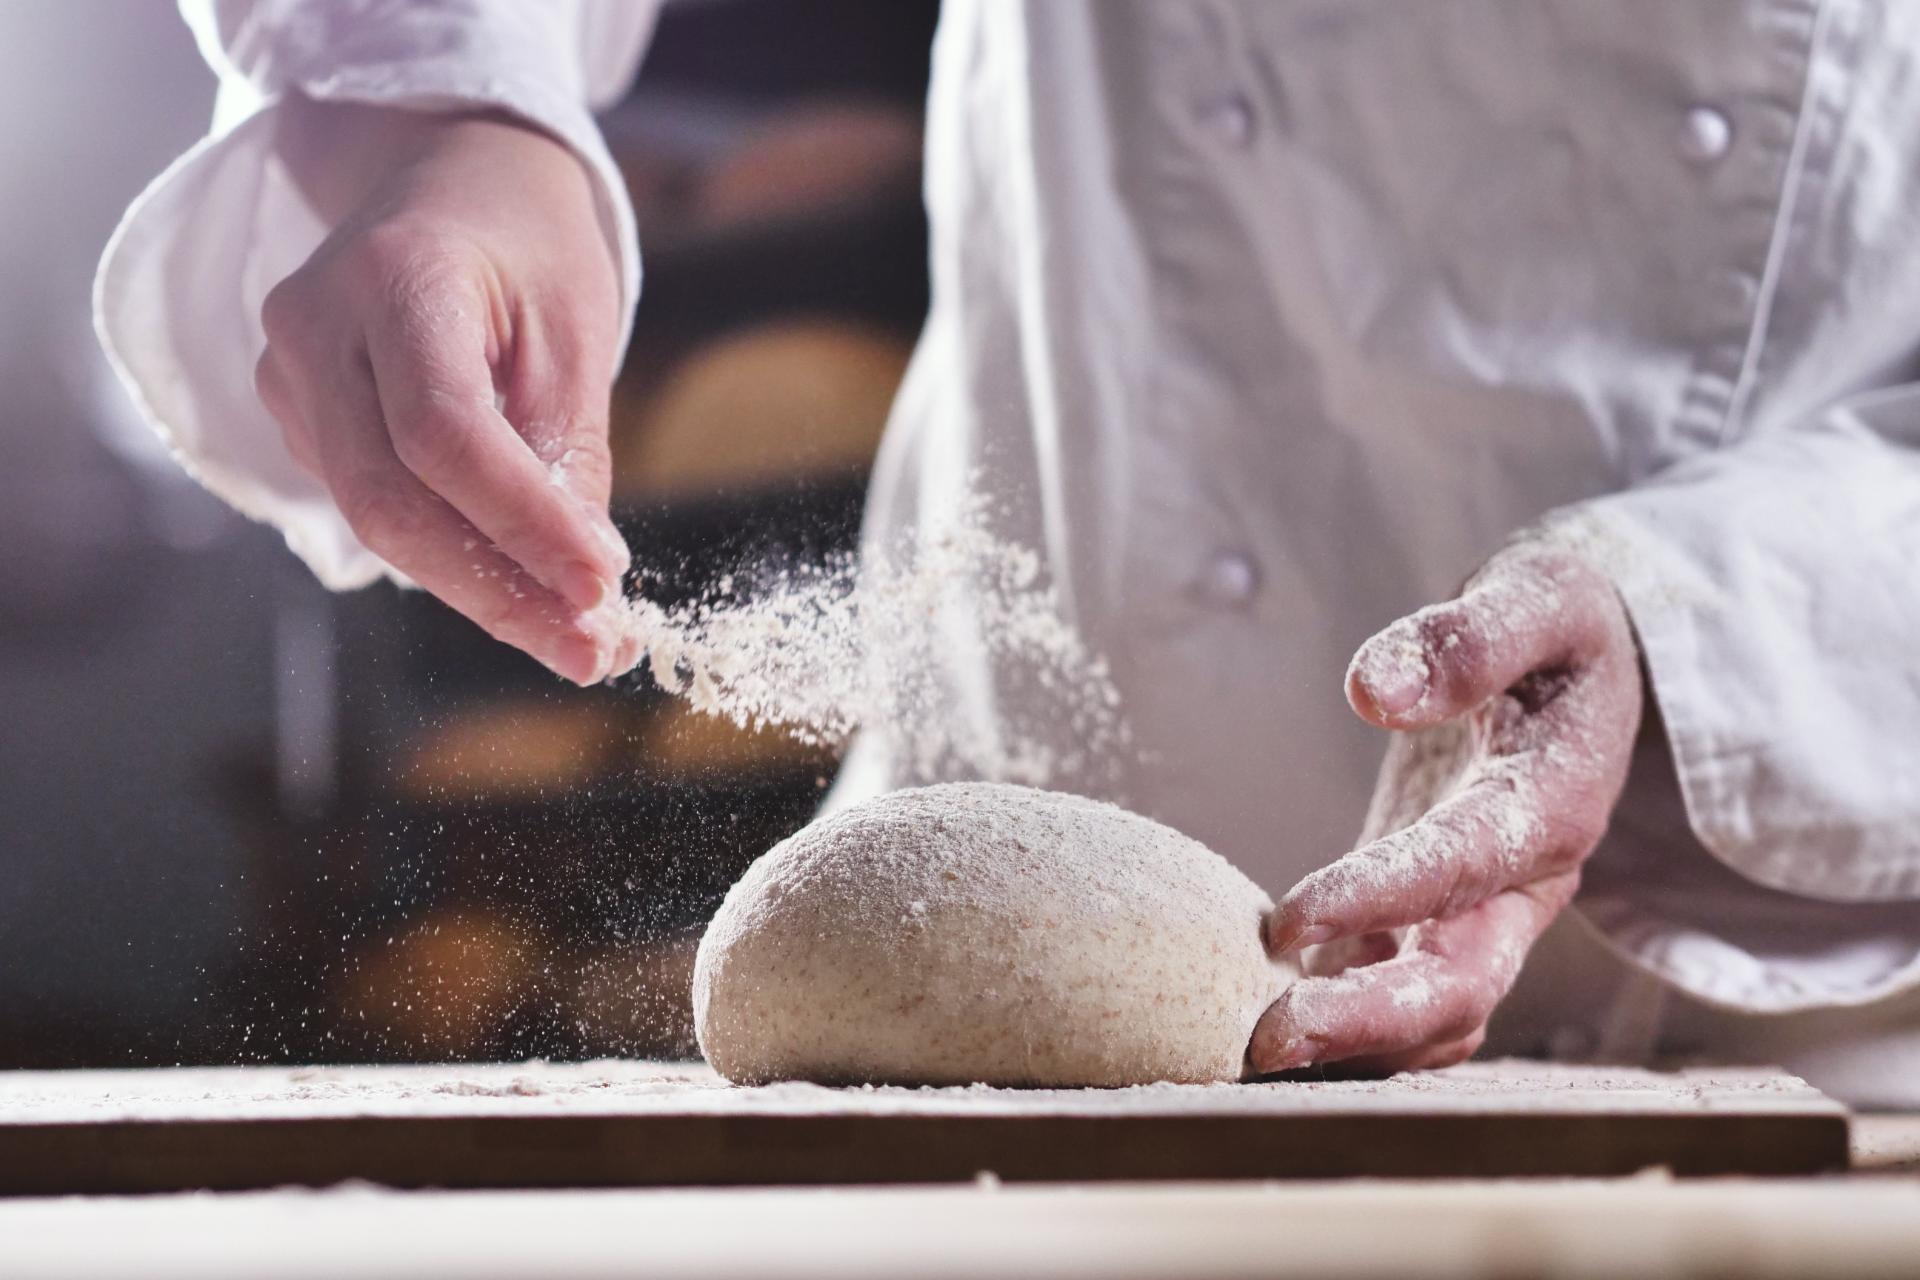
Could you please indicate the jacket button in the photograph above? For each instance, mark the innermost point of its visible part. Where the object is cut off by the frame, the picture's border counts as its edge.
(1734, 291)
(1229, 580)
(1231, 117)
(1705, 134)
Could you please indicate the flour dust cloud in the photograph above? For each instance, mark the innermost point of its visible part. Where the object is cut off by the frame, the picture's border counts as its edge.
(883, 642)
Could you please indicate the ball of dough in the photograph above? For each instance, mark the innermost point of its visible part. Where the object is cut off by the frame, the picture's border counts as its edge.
(983, 932)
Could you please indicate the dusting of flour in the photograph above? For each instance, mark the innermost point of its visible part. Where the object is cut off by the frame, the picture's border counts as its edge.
(860, 643)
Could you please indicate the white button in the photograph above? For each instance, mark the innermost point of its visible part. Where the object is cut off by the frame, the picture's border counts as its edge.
(1706, 135)
(1735, 291)
(1230, 580)
(1231, 116)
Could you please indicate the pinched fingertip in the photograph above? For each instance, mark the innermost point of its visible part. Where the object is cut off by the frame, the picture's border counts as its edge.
(1278, 1044)
(576, 657)
(1285, 1054)
(1390, 674)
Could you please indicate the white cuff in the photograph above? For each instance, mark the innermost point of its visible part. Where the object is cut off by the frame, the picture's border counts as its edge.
(1770, 586)
(178, 294)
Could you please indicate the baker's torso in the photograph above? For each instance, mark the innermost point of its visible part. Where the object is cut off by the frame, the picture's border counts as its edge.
(1267, 322)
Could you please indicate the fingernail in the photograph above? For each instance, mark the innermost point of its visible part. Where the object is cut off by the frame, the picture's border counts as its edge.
(1393, 673)
(1400, 692)
(579, 658)
(1301, 1051)
(623, 642)
(1307, 937)
(626, 656)
(584, 587)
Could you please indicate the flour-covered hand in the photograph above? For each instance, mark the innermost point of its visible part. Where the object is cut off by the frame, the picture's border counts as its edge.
(1515, 707)
(443, 363)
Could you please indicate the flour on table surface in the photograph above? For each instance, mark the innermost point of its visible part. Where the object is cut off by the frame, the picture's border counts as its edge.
(626, 1087)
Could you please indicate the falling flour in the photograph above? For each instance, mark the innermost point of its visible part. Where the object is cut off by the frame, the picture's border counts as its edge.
(873, 642)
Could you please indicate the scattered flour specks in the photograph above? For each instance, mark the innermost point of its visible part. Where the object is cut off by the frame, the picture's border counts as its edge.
(824, 649)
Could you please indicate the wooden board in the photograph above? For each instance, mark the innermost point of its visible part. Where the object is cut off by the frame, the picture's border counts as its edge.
(640, 1124)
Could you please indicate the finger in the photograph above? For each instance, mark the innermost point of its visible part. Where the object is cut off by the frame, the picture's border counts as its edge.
(1435, 993)
(270, 384)
(557, 396)
(1524, 819)
(416, 532)
(1424, 1058)
(1528, 611)
(428, 350)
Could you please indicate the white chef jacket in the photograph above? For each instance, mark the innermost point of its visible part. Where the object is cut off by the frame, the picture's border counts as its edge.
(1266, 322)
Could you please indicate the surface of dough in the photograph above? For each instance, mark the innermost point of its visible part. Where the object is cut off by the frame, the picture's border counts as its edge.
(982, 932)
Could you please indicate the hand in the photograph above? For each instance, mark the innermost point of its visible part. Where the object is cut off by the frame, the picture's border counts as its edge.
(1516, 706)
(442, 364)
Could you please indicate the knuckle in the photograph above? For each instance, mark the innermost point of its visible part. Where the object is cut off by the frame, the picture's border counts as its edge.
(1462, 1015)
(1460, 890)
(412, 270)
(586, 459)
(399, 246)
(1430, 862)
(503, 617)
(431, 439)
(1458, 651)
(1463, 890)
(1573, 835)
(380, 512)
(289, 312)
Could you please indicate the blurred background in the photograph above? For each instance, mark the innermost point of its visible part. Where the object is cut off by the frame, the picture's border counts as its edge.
(242, 819)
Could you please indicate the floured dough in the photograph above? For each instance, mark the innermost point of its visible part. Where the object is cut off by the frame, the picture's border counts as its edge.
(983, 932)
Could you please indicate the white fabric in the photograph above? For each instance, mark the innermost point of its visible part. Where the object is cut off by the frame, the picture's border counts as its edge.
(1336, 297)
(1268, 322)
(177, 299)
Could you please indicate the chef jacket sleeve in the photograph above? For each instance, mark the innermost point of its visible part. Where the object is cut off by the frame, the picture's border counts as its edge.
(178, 294)
(1774, 585)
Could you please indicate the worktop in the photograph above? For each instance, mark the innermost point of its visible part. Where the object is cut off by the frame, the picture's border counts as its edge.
(1862, 1221)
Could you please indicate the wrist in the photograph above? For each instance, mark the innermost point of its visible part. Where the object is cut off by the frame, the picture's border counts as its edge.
(340, 154)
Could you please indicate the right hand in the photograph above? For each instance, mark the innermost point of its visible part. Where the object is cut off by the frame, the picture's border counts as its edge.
(1515, 707)
(443, 364)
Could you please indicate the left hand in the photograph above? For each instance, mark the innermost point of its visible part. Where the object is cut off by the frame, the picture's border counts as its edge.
(1516, 707)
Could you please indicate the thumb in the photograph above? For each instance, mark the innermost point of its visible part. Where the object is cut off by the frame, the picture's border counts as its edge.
(558, 395)
(1526, 610)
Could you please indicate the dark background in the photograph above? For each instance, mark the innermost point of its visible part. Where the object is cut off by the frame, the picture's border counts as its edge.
(242, 819)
